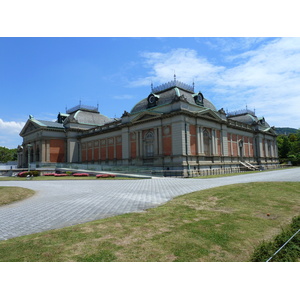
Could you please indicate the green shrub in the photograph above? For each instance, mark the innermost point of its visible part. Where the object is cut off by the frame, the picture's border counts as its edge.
(289, 253)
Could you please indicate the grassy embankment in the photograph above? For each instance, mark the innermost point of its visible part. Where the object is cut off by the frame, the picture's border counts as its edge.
(220, 224)
(12, 194)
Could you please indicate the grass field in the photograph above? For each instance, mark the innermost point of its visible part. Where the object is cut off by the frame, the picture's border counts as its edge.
(12, 194)
(220, 224)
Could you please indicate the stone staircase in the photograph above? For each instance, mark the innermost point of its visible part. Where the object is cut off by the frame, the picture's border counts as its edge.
(249, 166)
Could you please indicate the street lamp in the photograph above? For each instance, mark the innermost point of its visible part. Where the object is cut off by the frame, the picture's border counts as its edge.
(28, 147)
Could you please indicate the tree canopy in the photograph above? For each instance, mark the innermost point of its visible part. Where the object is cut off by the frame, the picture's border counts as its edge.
(289, 147)
(8, 154)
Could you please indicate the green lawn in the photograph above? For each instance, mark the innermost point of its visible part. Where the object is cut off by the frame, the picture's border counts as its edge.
(12, 194)
(220, 224)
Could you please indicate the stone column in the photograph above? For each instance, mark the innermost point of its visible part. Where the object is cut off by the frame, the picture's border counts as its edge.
(201, 140)
(43, 151)
(125, 143)
(156, 143)
(213, 141)
(47, 151)
(198, 137)
(188, 140)
(266, 148)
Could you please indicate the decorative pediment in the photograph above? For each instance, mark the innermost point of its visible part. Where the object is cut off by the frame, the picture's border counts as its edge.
(208, 113)
(145, 116)
(30, 126)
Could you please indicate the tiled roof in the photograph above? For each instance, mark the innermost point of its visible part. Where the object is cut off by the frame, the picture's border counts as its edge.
(167, 97)
(49, 124)
(88, 118)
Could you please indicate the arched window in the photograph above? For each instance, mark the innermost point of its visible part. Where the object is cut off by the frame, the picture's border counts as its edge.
(149, 144)
(207, 142)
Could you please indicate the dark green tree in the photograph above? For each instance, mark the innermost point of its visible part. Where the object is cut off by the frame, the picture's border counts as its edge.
(289, 147)
(7, 154)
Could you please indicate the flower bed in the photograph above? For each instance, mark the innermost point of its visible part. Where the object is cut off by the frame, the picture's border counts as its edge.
(81, 174)
(22, 174)
(105, 176)
(26, 173)
(61, 175)
(49, 174)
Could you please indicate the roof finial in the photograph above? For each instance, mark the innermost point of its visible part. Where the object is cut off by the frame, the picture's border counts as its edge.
(193, 84)
(151, 86)
(174, 76)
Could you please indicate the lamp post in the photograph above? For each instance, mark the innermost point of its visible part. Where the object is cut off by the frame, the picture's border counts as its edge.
(28, 147)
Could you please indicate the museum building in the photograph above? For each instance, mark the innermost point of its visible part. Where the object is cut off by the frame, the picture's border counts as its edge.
(172, 129)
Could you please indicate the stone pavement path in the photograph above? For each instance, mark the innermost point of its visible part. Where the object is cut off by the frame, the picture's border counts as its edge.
(58, 204)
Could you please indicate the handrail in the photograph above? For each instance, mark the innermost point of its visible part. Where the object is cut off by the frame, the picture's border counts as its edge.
(284, 245)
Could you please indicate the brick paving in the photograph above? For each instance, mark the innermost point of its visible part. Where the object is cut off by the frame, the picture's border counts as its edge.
(58, 204)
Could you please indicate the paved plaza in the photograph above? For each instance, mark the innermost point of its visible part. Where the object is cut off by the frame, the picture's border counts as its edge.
(58, 204)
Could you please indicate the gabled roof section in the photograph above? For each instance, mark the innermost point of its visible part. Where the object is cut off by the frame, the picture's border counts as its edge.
(145, 116)
(29, 127)
(49, 124)
(32, 124)
(209, 113)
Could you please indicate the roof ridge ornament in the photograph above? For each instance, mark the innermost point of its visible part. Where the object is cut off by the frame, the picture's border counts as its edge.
(171, 84)
(83, 107)
(240, 112)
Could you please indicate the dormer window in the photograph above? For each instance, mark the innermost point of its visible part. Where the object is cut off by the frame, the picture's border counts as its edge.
(198, 98)
(262, 121)
(152, 100)
(61, 117)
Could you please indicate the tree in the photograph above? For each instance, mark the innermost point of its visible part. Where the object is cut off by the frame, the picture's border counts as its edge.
(8, 154)
(289, 147)
(284, 146)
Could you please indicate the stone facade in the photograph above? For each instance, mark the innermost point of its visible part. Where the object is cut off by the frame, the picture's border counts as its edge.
(173, 128)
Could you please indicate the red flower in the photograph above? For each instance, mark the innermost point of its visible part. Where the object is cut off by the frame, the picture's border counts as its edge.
(81, 174)
(105, 176)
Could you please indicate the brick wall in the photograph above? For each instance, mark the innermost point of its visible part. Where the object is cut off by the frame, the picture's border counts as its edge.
(57, 150)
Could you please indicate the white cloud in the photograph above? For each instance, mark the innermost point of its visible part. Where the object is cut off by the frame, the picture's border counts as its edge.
(11, 127)
(232, 43)
(185, 63)
(266, 78)
(9, 133)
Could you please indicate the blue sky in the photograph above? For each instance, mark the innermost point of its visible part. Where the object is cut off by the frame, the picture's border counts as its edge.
(42, 76)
